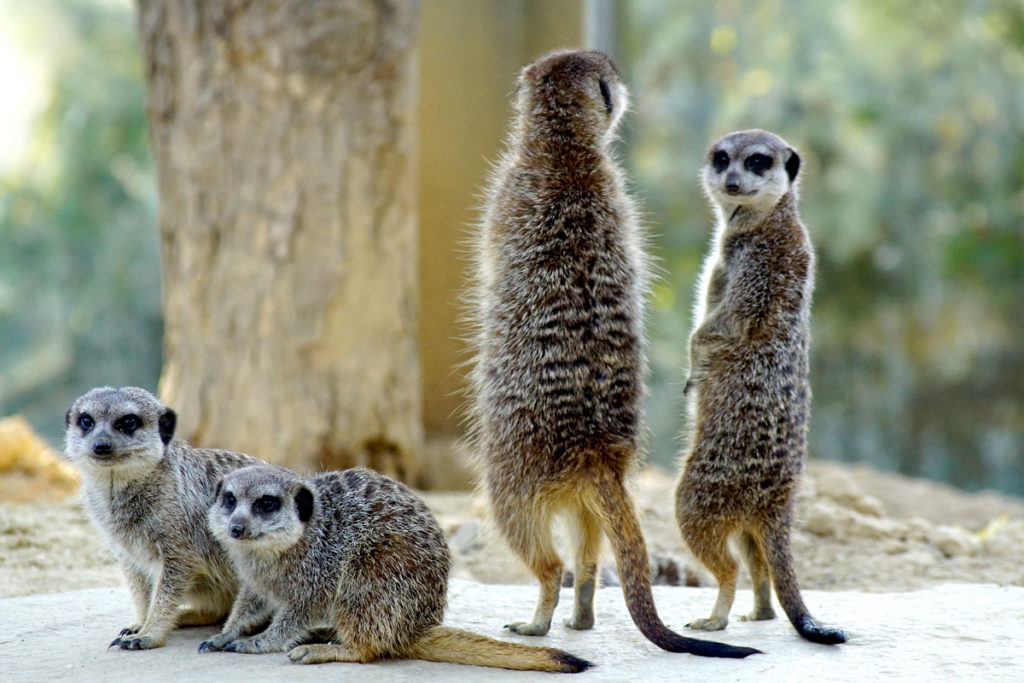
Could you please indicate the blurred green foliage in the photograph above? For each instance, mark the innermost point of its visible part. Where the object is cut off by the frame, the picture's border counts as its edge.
(79, 252)
(910, 120)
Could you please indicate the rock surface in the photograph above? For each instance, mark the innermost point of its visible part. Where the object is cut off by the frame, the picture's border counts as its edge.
(951, 632)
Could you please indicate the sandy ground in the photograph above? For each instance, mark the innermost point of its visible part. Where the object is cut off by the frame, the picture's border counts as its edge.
(857, 529)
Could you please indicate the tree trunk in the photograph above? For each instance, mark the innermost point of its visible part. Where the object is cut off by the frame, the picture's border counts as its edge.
(284, 137)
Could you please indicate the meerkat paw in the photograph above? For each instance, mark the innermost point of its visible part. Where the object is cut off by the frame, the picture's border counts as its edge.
(580, 622)
(318, 653)
(250, 646)
(215, 644)
(137, 642)
(130, 630)
(759, 614)
(709, 624)
(525, 628)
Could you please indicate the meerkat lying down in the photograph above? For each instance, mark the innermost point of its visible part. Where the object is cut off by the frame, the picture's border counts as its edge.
(352, 557)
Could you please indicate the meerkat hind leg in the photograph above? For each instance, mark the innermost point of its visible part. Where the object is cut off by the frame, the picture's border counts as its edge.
(588, 544)
(318, 653)
(528, 531)
(752, 547)
(205, 606)
(714, 553)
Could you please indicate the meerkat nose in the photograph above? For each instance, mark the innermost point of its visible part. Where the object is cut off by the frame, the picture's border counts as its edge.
(732, 184)
(237, 530)
(102, 447)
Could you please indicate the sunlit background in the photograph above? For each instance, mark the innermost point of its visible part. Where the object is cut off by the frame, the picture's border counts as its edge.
(909, 118)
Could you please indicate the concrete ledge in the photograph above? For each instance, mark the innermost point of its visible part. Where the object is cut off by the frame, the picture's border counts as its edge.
(953, 632)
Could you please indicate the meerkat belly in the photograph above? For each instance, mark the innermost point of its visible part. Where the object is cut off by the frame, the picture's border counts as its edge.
(139, 552)
(129, 539)
(752, 421)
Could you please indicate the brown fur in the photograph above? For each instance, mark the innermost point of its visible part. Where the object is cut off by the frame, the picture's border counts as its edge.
(560, 365)
(149, 495)
(749, 389)
(352, 557)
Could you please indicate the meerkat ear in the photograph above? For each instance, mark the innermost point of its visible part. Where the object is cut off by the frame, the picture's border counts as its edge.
(216, 490)
(166, 425)
(606, 95)
(67, 419)
(304, 504)
(793, 165)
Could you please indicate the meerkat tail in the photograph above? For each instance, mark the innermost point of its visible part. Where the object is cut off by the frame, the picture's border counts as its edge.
(456, 646)
(619, 521)
(788, 590)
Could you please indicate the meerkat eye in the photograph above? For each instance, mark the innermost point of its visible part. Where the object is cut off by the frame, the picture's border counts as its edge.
(267, 505)
(229, 500)
(606, 95)
(720, 161)
(128, 424)
(85, 422)
(758, 163)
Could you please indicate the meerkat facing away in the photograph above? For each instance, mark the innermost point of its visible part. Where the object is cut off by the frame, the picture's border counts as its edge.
(560, 364)
(349, 556)
(148, 493)
(748, 391)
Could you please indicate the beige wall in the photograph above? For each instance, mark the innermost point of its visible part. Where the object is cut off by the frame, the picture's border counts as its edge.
(470, 53)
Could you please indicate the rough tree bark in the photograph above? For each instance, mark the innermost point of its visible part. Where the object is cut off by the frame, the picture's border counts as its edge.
(284, 137)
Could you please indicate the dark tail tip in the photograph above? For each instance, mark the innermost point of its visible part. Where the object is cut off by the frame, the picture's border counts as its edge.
(815, 632)
(711, 648)
(570, 664)
(668, 639)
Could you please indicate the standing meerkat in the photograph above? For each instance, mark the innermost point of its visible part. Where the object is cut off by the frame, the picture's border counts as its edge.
(748, 392)
(560, 365)
(352, 557)
(148, 493)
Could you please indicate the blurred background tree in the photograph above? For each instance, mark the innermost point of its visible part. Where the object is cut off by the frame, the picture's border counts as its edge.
(909, 117)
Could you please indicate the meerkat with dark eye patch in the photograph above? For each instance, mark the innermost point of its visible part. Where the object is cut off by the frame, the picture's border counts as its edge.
(748, 393)
(560, 360)
(352, 557)
(149, 493)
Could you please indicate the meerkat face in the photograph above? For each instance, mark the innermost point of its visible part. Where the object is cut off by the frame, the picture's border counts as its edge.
(260, 509)
(752, 168)
(124, 431)
(572, 88)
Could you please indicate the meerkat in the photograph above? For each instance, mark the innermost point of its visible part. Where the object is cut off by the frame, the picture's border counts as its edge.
(748, 393)
(559, 348)
(148, 493)
(352, 557)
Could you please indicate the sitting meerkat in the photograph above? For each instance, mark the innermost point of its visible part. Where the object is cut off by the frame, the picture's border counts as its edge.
(149, 493)
(749, 391)
(352, 557)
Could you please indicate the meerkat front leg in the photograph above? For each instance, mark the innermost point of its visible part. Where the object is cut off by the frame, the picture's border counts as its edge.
(249, 613)
(141, 590)
(167, 597)
(287, 629)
